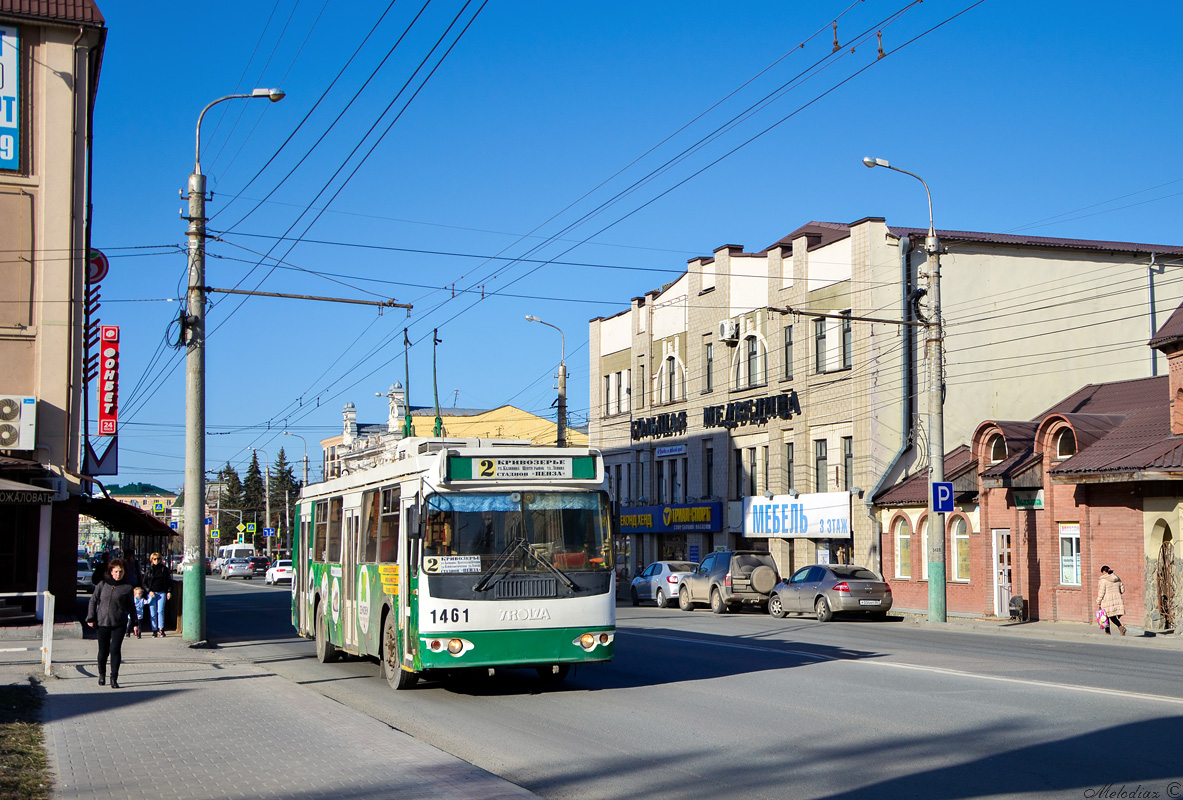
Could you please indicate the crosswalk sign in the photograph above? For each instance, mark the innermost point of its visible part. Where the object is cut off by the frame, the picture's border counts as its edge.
(250, 527)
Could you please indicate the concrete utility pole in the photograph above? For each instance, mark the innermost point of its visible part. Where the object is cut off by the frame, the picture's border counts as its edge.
(561, 424)
(193, 565)
(934, 357)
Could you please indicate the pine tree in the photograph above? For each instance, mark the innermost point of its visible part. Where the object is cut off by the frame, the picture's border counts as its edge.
(254, 504)
(231, 497)
(285, 488)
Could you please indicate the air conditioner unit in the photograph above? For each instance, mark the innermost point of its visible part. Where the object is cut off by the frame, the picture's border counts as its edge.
(18, 422)
(57, 485)
(729, 330)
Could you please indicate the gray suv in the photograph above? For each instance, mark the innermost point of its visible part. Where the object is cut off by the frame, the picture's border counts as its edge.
(729, 578)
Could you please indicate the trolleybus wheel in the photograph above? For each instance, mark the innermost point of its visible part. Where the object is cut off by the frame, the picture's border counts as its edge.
(326, 651)
(395, 675)
(553, 674)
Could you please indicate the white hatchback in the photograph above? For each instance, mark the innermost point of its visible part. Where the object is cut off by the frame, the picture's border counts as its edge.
(279, 571)
(660, 581)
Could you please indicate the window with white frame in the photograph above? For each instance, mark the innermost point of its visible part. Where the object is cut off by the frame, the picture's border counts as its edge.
(960, 549)
(671, 381)
(924, 549)
(846, 340)
(1070, 553)
(821, 465)
(788, 354)
(819, 345)
(997, 448)
(708, 367)
(1065, 443)
(618, 399)
(903, 548)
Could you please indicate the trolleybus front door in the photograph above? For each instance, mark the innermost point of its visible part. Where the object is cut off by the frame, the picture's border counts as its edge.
(411, 539)
(349, 535)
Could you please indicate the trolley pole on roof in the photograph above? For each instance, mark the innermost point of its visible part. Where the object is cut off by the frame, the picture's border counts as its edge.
(408, 426)
(934, 357)
(439, 423)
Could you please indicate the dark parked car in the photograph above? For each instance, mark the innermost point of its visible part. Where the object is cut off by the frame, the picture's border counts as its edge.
(729, 578)
(823, 589)
(260, 564)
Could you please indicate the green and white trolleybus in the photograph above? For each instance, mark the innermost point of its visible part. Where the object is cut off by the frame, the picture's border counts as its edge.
(459, 554)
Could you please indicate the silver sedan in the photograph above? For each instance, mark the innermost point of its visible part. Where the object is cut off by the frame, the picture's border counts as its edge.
(823, 589)
(660, 581)
(237, 568)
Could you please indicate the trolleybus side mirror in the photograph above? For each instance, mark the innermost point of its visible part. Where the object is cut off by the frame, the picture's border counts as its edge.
(414, 529)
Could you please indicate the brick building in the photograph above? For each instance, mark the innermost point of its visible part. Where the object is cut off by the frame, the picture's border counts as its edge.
(1095, 480)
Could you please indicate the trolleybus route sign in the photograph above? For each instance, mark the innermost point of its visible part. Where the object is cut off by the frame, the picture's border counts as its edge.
(438, 564)
(538, 468)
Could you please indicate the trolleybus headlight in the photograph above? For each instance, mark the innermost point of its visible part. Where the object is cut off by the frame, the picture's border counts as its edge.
(436, 645)
(589, 641)
(455, 647)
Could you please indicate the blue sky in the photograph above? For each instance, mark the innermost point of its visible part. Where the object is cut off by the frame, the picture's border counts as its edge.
(1051, 119)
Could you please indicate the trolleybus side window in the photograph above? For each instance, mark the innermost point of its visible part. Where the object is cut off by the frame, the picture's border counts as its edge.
(388, 531)
(320, 529)
(333, 545)
(368, 546)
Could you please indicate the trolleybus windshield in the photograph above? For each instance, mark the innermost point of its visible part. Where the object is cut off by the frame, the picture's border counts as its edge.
(567, 530)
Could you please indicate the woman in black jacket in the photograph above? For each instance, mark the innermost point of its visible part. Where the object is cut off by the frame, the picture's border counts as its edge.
(109, 608)
(159, 583)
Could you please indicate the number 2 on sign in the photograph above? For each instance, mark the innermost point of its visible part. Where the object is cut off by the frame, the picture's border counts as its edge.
(488, 468)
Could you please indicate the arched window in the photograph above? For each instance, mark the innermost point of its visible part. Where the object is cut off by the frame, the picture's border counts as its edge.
(1065, 444)
(924, 549)
(751, 365)
(960, 549)
(997, 448)
(671, 381)
(903, 548)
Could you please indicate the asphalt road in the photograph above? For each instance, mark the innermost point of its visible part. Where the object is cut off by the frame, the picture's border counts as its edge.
(746, 706)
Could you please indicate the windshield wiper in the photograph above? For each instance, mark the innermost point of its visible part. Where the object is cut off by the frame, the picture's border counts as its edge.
(484, 583)
(564, 577)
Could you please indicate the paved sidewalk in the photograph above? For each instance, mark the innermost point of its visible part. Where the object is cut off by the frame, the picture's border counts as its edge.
(1046, 629)
(192, 724)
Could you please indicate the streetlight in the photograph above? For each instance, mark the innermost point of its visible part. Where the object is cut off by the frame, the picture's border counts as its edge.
(561, 433)
(193, 566)
(935, 364)
(305, 441)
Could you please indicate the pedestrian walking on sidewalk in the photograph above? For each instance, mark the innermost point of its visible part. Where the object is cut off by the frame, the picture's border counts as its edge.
(1109, 592)
(137, 623)
(110, 606)
(158, 581)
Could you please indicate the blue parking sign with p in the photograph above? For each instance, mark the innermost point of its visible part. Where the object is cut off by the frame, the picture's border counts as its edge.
(942, 498)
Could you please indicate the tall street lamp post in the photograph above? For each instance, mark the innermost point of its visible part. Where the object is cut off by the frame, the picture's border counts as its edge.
(193, 566)
(561, 433)
(305, 441)
(934, 355)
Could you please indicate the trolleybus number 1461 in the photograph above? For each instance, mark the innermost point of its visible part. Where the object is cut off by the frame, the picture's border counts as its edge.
(449, 615)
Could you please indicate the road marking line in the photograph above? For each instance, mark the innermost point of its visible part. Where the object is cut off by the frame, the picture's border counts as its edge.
(1024, 681)
(917, 667)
